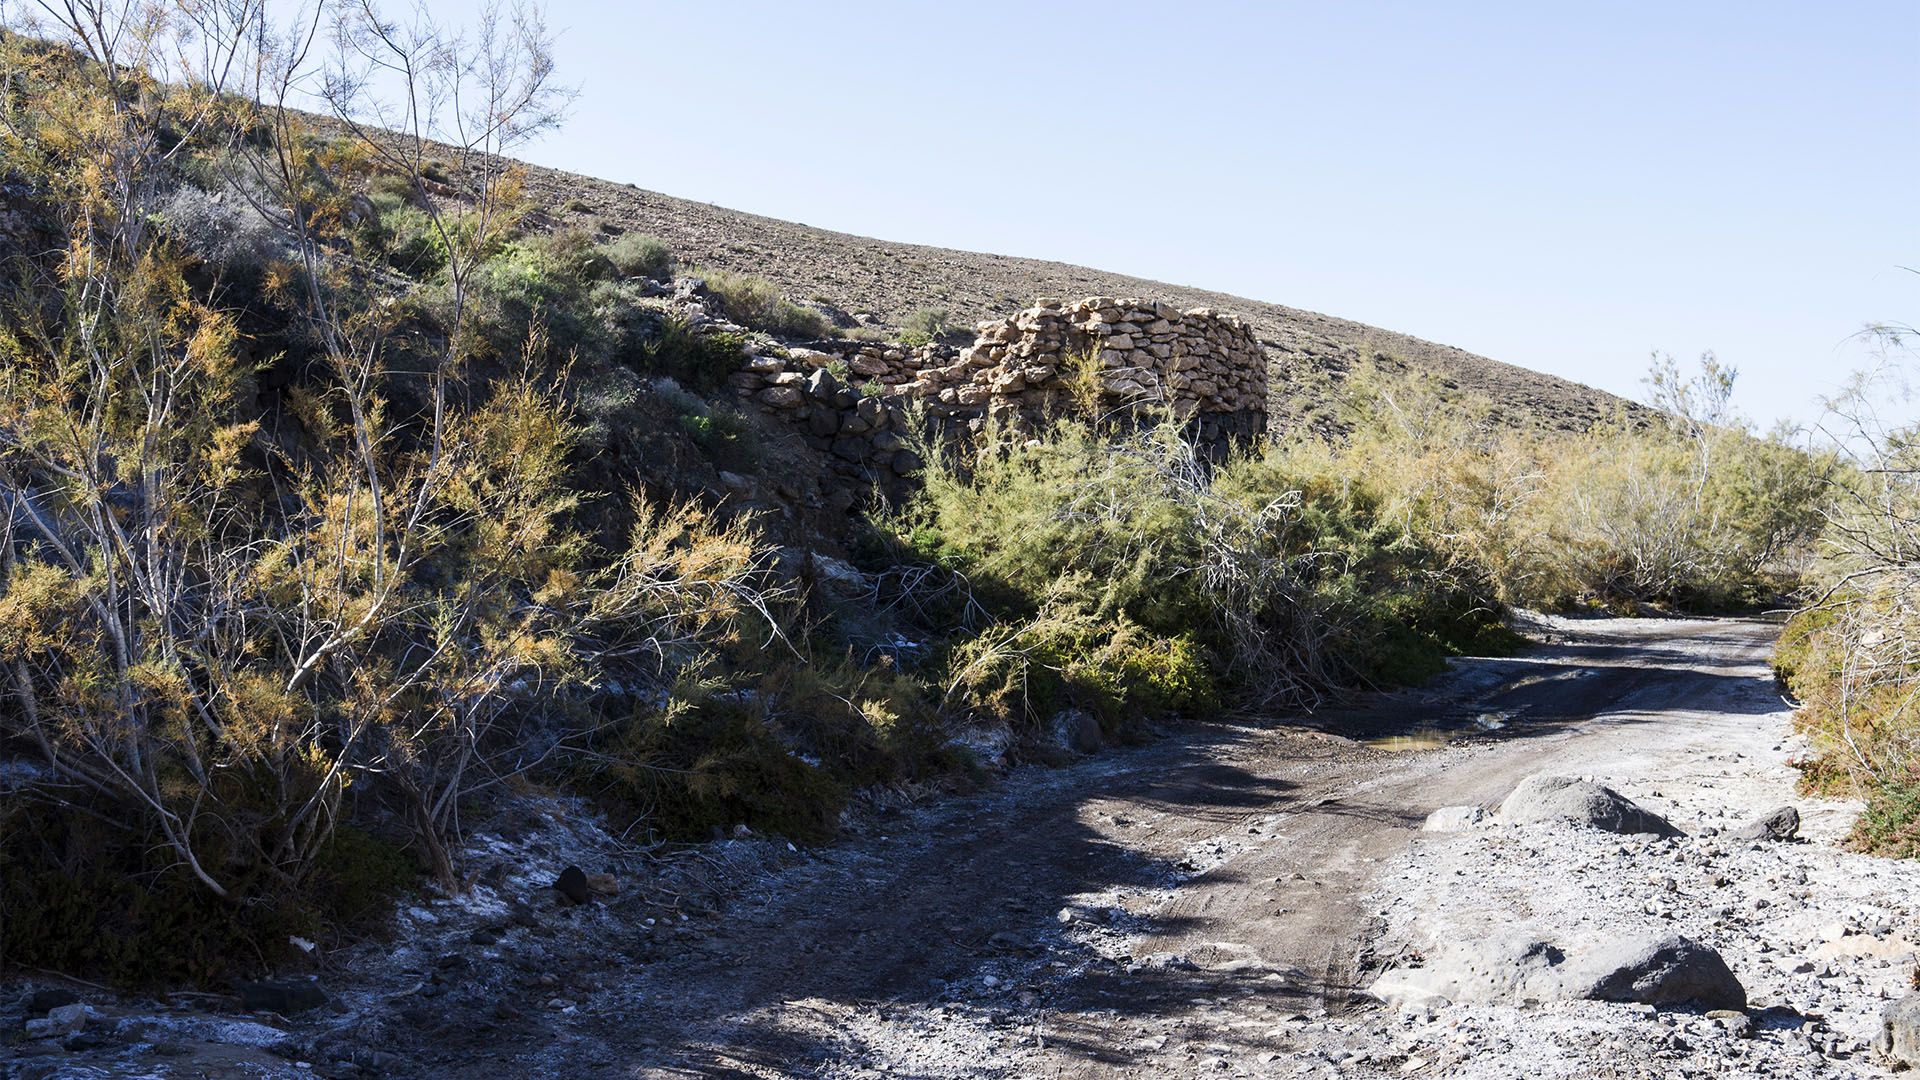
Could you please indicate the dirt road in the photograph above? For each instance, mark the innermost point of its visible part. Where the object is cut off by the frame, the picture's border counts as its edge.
(1204, 905)
(1090, 921)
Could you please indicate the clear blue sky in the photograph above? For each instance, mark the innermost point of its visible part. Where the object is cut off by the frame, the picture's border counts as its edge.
(1565, 187)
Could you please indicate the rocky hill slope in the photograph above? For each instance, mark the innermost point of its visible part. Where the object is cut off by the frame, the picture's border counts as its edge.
(887, 281)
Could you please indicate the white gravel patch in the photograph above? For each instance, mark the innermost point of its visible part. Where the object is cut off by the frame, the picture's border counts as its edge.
(1821, 938)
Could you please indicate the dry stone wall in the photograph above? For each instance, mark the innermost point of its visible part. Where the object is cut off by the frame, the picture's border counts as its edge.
(1121, 357)
(1128, 353)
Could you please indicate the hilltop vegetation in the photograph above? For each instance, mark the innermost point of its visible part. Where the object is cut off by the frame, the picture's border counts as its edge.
(348, 493)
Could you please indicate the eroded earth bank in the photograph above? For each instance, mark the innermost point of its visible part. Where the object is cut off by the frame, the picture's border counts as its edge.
(1217, 903)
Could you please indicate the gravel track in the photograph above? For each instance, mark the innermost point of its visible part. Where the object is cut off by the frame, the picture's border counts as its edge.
(1213, 904)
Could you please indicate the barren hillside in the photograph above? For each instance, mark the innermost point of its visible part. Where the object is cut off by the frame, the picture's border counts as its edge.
(889, 280)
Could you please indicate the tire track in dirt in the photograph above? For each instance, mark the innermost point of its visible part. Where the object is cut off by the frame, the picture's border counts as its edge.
(1225, 870)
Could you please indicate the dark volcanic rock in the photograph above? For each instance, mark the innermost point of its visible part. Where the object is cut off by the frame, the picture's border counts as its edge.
(573, 885)
(285, 996)
(45, 1000)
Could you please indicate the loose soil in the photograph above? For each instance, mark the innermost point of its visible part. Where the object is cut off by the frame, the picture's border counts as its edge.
(1214, 903)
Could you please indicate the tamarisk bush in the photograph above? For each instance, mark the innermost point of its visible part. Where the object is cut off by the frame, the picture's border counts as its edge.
(219, 619)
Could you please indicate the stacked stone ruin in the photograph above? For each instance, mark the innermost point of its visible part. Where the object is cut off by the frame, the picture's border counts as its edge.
(1120, 358)
(1114, 354)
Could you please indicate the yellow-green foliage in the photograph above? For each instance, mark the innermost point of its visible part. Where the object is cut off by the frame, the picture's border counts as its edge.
(1853, 655)
(1068, 658)
(776, 744)
(1291, 582)
(1673, 510)
(1852, 667)
(641, 256)
(756, 303)
(216, 630)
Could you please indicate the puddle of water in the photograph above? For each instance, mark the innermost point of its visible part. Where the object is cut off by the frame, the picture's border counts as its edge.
(1433, 738)
(1427, 739)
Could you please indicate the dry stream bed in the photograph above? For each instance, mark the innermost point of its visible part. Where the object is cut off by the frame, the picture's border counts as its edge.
(1214, 904)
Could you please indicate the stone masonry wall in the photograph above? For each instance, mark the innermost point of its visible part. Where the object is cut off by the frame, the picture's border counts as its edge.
(1138, 352)
(1125, 356)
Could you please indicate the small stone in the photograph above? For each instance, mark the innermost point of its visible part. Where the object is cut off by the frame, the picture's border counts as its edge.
(781, 397)
(286, 997)
(1007, 941)
(572, 884)
(1078, 731)
(1778, 825)
(1454, 819)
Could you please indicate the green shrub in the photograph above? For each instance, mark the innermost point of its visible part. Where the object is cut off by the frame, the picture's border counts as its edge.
(1667, 511)
(1848, 664)
(725, 436)
(641, 256)
(709, 762)
(606, 397)
(754, 302)
(702, 361)
(408, 239)
(1066, 657)
(924, 325)
(1288, 583)
(1890, 825)
(779, 751)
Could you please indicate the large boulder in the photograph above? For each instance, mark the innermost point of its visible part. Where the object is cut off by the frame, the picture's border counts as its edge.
(1670, 970)
(1563, 798)
(1512, 967)
(1899, 1034)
